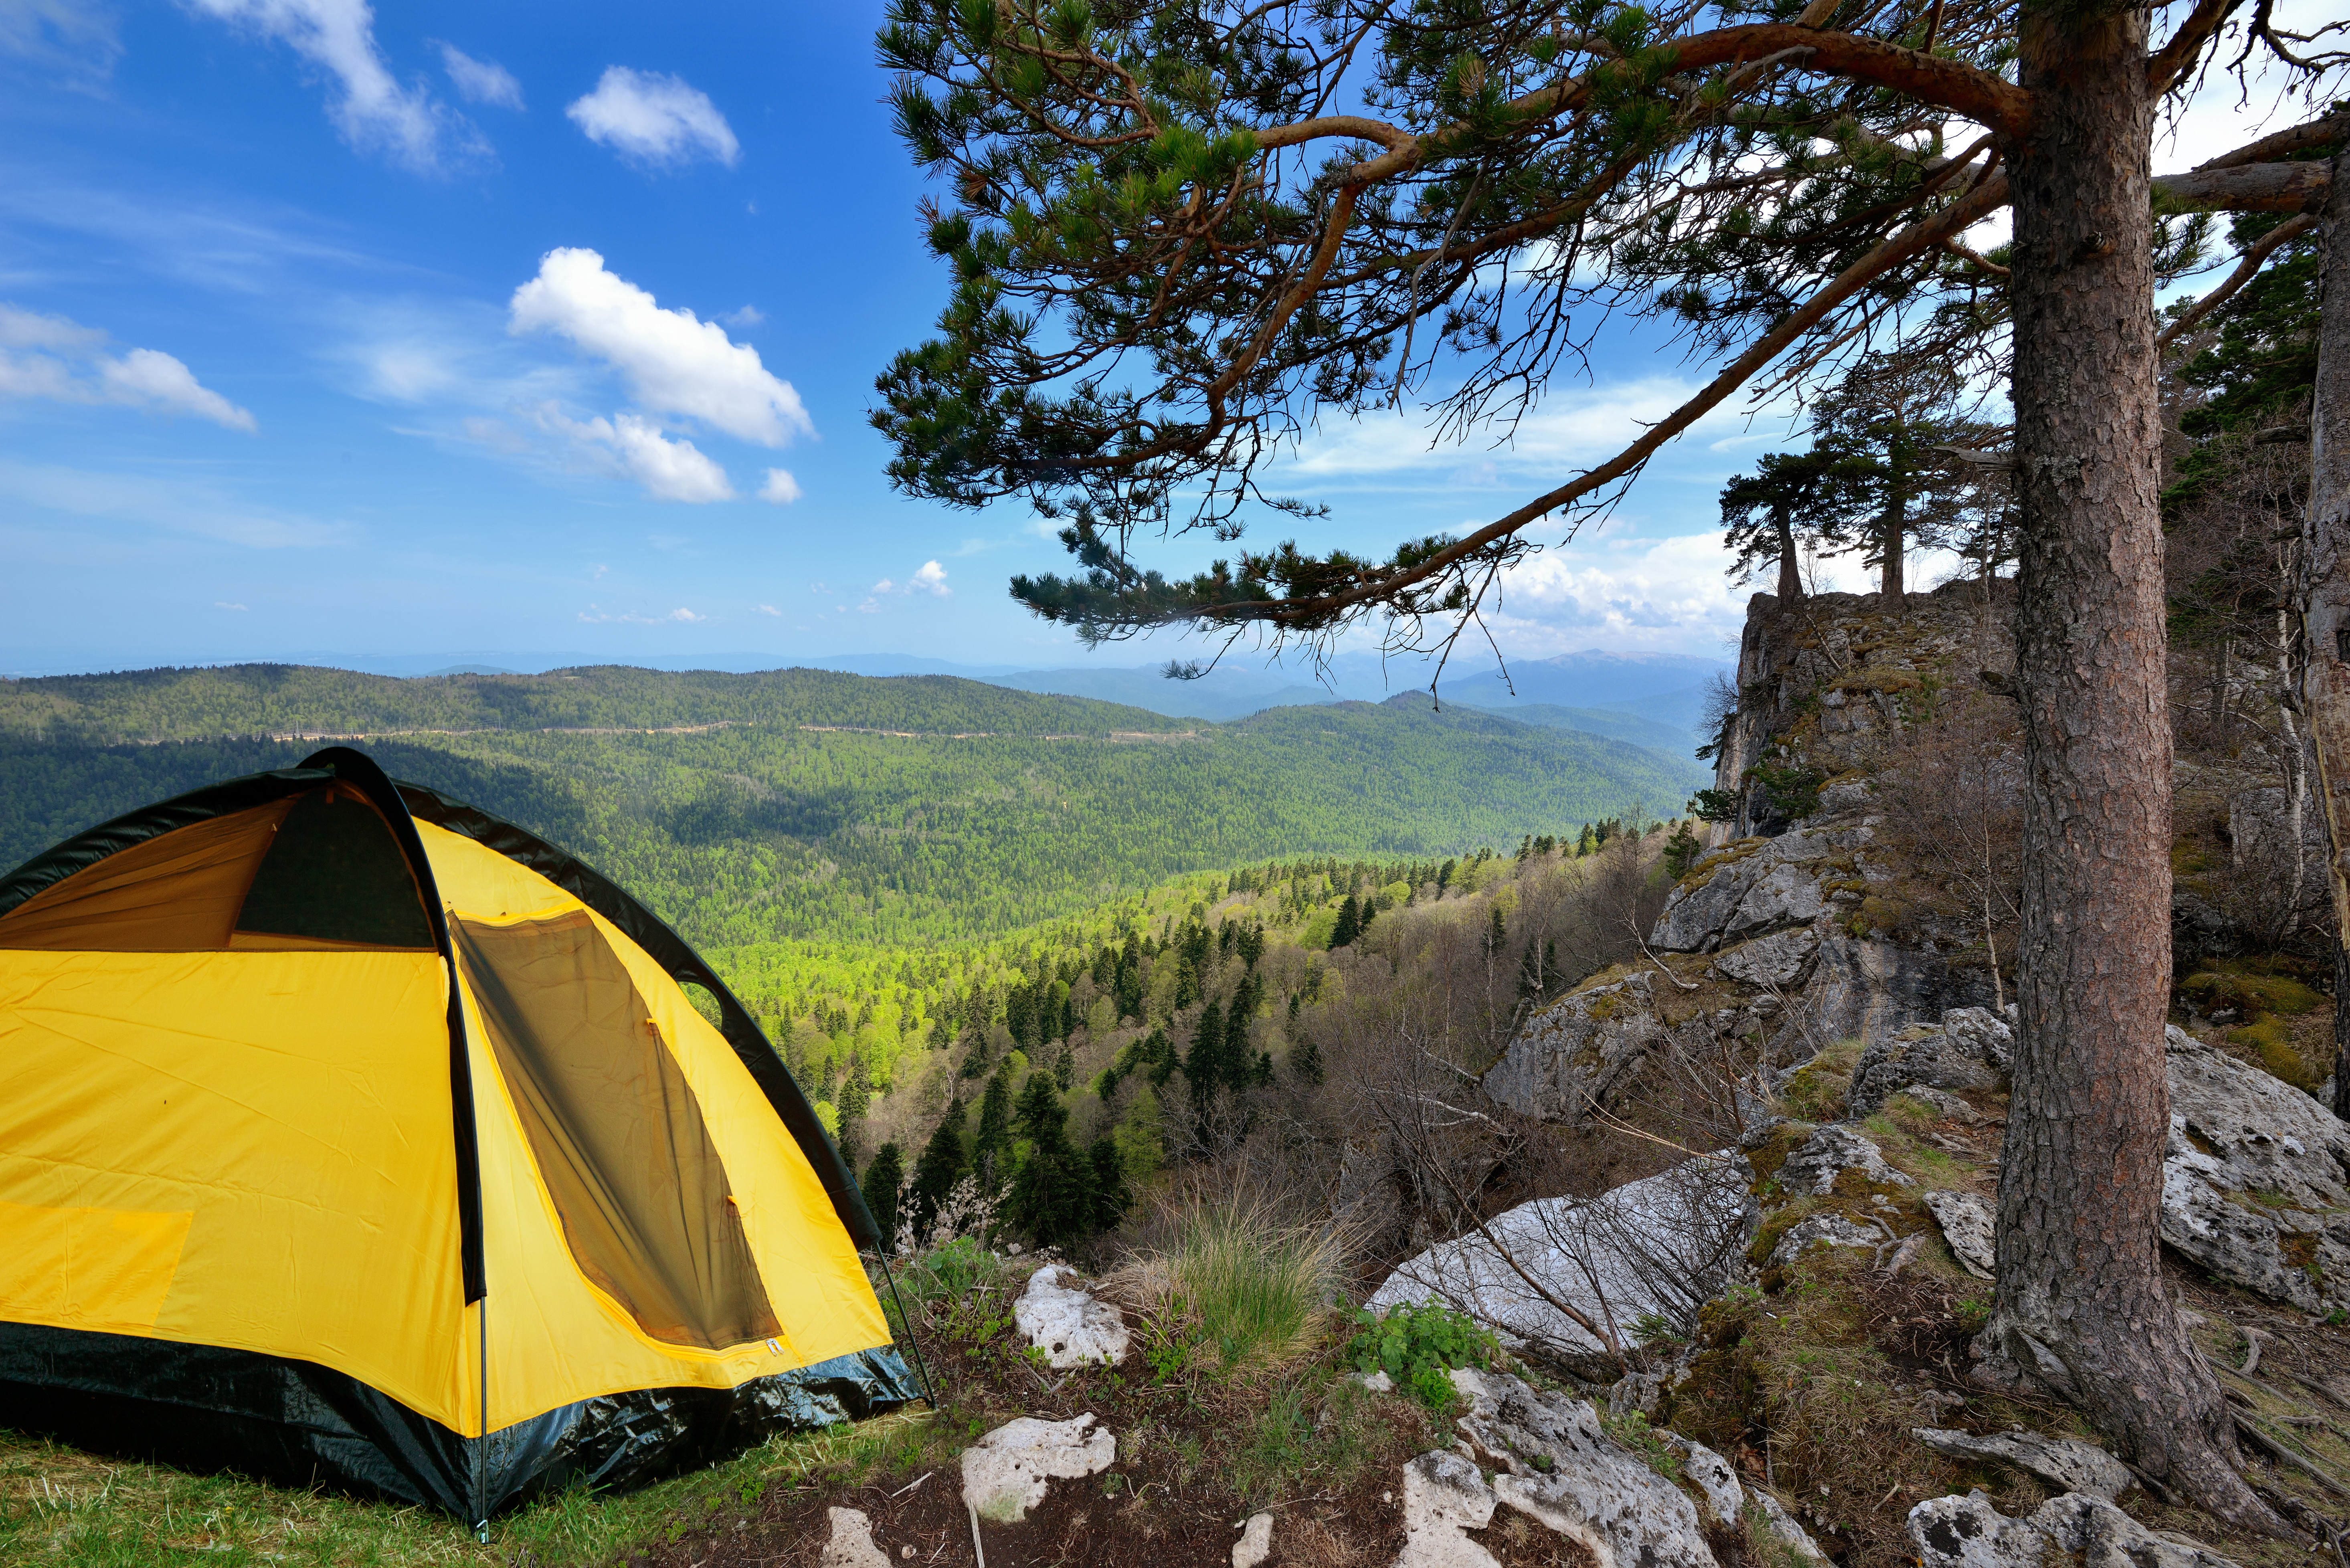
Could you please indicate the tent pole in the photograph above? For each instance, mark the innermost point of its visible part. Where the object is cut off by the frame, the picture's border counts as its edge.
(481, 1446)
(929, 1391)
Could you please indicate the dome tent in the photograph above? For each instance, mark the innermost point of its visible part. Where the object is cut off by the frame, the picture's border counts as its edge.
(349, 1132)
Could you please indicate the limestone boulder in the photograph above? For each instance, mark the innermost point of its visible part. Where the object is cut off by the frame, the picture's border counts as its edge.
(1824, 1231)
(1811, 1166)
(1780, 960)
(1657, 1245)
(1006, 1472)
(1067, 1324)
(1444, 1497)
(2067, 1464)
(1572, 1055)
(1563, 1470)
(1971, 1048)
(1754, 888)
(2076, 1528)
(1971, 1228)
(2256, 1178)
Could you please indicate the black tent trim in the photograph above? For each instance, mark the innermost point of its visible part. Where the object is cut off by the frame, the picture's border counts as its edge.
(208, 1407)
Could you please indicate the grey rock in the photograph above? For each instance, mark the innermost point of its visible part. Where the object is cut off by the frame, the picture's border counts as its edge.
(1636, 1249)
(1969, 1227)
(1573, 1053)
(1943, 1103)
(2067, 1464)
(1720, 1497)
(1865, 988)
(1443, 1496)
(1564, 1470)
(1068, 1325)
(2253, 1173)
(1779, 959)
(1003, 1474)
(1812, 1167)
(1255, 1543)
(1786, 1531)
(1967, 1533)
(2079, 1528)
(1823, 1230)
(850, 1544)
(1766, 887)
(1971, 1048)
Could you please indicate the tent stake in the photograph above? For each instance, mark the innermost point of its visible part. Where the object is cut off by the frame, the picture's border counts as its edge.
(481, 1448)
(929, 1391)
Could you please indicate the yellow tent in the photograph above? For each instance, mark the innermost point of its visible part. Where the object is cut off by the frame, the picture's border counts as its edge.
(349, 1131)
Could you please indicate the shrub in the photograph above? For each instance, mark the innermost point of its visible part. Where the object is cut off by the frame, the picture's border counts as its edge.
(1418, 1347)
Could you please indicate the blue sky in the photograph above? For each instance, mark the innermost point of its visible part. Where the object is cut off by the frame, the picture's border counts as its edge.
(526, 328)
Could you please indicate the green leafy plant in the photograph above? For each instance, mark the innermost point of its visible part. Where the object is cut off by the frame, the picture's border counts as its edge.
(1419, 1347)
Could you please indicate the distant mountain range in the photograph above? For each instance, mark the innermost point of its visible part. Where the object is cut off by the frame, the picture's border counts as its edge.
(1649, 700)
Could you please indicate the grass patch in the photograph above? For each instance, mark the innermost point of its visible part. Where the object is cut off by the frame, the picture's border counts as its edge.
(60, 1505)
(1816, 1091)
(1235, 1282)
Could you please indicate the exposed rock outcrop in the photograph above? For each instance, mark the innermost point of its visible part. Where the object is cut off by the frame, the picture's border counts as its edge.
(850, 1544)
(2067, 1464)
(1970, 1048)
(2253, 1180)
(1967, 1533)
(1969, 1227)
(1641, 1248)
(1444, 1497)
(1811, 1166)
(1564, 1470)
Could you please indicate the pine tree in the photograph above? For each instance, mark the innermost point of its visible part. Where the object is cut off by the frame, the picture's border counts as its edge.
(881, 1186)
(1052, 1198)
(1204, 1067)
(942, 1165)
(1065, 1066)
(1350, 923)
(1497, 931)
(1111, 1195)
(994, 1135)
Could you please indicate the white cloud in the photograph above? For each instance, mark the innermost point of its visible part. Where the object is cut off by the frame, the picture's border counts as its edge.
(749, 315)
(930, 577)
(670, 470)
(374, 111)
(223, 604)
(594, 613)
(768, 609)
(654, 119)
(51, 358)
(675, 363)
(781, 487)
(480, 81)
(75, 40)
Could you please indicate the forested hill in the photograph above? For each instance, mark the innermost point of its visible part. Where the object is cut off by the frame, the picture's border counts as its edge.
(246, 699)
(931, 822)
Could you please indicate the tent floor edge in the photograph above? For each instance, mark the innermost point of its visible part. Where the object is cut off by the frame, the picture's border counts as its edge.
(294, 1423)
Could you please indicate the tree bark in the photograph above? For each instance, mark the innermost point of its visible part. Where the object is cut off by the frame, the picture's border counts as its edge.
(2325, 594)
(1791, 577)
(1895, 528)
(2081, 1304)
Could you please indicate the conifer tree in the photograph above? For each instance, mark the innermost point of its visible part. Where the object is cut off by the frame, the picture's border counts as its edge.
(942, 1165)
(1052, 1198)
(1204, 1067)
(880, 1184)
(1793, 500)
(1112, 1195)
(1350, 923)
(993, 1141)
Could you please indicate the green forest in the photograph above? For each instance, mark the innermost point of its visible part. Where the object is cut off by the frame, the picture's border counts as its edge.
(866, 859)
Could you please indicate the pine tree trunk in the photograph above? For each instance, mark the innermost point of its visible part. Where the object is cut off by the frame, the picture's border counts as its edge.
(2081, 1303)
(1791, 579)
(2325, 596)
(1895, 529)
